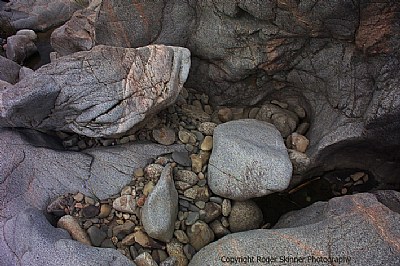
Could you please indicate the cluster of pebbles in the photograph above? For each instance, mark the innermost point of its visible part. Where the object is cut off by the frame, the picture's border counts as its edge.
(202, 216)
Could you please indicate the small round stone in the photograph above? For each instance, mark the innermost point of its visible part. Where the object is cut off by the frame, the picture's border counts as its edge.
(207, 128)
(90, 211)
(164, 136)
(105, 210)
(225, 115)
(226, 207)
(244, 216)
(181, 236)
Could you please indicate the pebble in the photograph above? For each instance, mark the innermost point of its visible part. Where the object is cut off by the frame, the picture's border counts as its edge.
(207, 128)
(180, 185)
(145, 259)
(107, 243)
(357, 176)
(175, 249)
(189, 251)
(127, 190)
(200, 235)
(89, 200)
(299, 142)
(139, 172)
(170, 261)
(192, 218)
(148, 188)
(207, 144)
(70, 224)
(153, 171)
(213, 211)
(90, 211)
(79, 197)
(182, 158)
(96, 235)
(125, 203)
(225, 114)
(164, 136)
(226, 207)
(200, 204)
(181, 236)
(187, 177)
(124, 229)
(197, 163)
(197, 193)
(187, 137)
(237, 113)
(218, 229)
(129, 240)
(303, 128)
(253, 113)
(244, 216)
(216, 200)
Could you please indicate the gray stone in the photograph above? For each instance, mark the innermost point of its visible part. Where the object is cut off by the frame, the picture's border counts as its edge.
(337, 229)
(218, 229)
(200, 235)
(75, 35)
(96, 235)
(161, 208)
(249, 159)
(125, 203)
(124, 229)
(39, 15)
(164, 136)
(192, 218)
(213, 211)
(187, 176)
(244, 216)
(101, 99)
(145, 259)
(19, 48)
(300, 161)
(9, 70)
(25, 72)
(182, 158)
(29, 33)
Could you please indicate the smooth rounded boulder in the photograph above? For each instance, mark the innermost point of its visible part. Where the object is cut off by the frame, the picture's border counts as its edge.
(249, 160)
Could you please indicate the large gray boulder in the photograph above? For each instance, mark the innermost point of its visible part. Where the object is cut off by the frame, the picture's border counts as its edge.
(357, 230)
(161, 208)
(103, 92)
(249, 160)
(34, 170)
(39, 15)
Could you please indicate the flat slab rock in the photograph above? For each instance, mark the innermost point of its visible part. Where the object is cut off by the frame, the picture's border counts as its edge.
(33, 172)
(249, 160)
(103, 92)
(357, 229)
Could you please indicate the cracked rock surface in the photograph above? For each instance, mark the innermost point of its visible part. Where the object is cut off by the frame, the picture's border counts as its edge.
(103, 92)
(33, 171)
(344, 227)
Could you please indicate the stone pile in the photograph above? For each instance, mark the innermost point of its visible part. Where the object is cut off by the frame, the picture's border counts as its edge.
(140, 222)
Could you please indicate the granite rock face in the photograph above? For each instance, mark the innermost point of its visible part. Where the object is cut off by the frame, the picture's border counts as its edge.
(338, 229)
(249, 160)
(161, 208)
(35, 170)
(339, 57)
(103, 92)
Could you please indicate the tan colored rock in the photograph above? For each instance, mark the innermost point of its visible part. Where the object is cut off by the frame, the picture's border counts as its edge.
(70, 224)
(299, 142)
(125, 203)
(200, 234)
(175, 249)
(225, 115)
(207, 144)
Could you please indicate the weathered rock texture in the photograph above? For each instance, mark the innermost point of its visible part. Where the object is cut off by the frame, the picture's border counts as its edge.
(33, 171)
(340, 57)
(9, 70)
(249, 160)
(344, 227)
(103, 92)
(39, 14)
